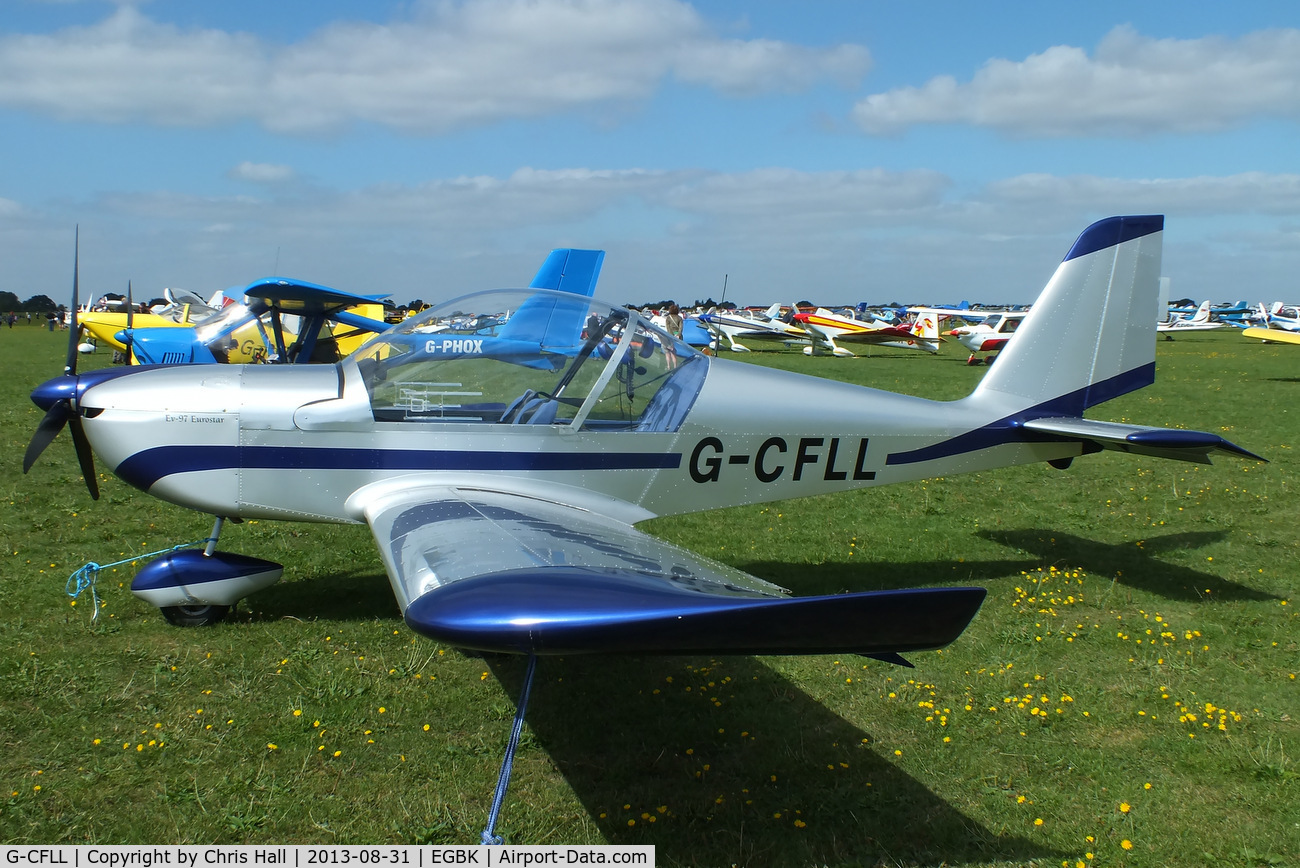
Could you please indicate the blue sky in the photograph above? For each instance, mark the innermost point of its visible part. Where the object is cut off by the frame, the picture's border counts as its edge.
(868, 152)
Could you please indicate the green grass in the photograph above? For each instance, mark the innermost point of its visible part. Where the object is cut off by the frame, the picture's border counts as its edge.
(1125, 596)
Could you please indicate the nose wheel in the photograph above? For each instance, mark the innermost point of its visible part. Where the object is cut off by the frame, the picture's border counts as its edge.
(199, 587)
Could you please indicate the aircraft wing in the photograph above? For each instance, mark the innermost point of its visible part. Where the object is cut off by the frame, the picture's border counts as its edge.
(1175, 443)
(298, 296)
(507, 572)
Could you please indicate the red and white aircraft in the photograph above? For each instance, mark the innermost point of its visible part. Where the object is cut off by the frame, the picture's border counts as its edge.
(825, 328)
(988, 336)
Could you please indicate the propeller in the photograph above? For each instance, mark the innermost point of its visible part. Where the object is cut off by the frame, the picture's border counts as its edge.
(130, 321)
(59, 398)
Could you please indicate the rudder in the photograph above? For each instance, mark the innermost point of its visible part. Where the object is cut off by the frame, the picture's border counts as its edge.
(1090, 336)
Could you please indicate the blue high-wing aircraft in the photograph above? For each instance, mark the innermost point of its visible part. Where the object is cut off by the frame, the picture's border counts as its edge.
(254, 328)
(502, 474)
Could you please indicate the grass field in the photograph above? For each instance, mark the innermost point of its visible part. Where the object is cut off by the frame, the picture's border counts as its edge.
(1126, 696)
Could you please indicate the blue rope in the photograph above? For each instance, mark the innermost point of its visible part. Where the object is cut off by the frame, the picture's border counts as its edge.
(84, 578)
(503, 781)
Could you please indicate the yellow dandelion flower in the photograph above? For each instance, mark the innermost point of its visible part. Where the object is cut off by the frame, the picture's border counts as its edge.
(1126, 844)
(1124, 807)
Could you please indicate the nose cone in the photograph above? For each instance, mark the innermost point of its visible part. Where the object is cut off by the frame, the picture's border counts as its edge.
(51, 392)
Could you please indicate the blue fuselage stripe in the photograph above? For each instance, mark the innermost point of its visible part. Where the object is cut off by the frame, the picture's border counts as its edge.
(1009, 429)
(145, 468)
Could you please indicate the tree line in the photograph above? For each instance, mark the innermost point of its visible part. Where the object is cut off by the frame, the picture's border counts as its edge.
(9, 303)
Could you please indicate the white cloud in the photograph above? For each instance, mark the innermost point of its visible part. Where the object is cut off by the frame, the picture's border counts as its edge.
(1131, 86)
(450, 65)
(1248, 193)
(261, 173)
(778, 233)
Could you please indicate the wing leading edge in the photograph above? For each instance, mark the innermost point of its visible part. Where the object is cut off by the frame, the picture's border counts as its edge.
(510, 573)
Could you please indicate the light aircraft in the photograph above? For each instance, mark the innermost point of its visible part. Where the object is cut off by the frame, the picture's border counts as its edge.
(731, 326)
(1280, 316)
(1199, 322)
(991, 334)
(502, 475)
(326, 324)
(1281, 324)
(285, 320)
(183, 310)
(825, 328)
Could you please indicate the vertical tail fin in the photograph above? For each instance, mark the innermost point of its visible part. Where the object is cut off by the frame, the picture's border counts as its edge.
(1090, 336)
(926, 327)
(557, 322)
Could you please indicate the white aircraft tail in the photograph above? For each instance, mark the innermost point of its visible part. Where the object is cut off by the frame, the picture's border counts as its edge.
(926, 327)
(1091, 335)
(1202, 313)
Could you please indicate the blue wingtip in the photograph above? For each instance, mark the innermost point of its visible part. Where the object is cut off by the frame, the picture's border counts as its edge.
(1114, 230)
(573, 610)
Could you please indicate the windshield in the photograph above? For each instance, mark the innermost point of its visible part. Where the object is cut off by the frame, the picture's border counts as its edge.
(237, 334)
(530, 357)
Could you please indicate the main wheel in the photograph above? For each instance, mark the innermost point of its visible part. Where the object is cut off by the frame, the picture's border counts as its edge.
(195, 616)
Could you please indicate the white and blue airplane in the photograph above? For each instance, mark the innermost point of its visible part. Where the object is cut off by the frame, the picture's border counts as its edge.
(503, 475)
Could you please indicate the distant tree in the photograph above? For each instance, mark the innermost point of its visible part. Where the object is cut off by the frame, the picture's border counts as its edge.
(804, 304)
(9, 302)
(157, 302)
(40, 303)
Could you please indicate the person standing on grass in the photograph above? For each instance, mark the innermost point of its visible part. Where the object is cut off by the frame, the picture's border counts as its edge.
(674, 320)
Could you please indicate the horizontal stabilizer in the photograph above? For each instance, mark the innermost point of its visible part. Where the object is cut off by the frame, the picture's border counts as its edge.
(1174, 443)
(575, 610)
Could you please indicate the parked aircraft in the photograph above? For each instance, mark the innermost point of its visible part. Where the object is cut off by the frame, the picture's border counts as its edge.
(1280, 316)
(278, 320)
(827, 328)
(183, 310)
(502, 476)
(989, 335)
(1281, 324)
(731, 326)
(1199, 322)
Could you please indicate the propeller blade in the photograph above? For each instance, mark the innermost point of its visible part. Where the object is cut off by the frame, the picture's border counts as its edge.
(70, 366)
(50, 426)
(84, 457)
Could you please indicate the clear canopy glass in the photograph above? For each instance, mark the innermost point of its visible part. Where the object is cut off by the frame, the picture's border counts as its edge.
(531, 357)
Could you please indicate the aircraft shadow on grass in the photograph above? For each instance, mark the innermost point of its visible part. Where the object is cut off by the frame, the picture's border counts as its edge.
(354, 595)
(600, 723)
(1137, 567)
(1133, 565)
(734, 767)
